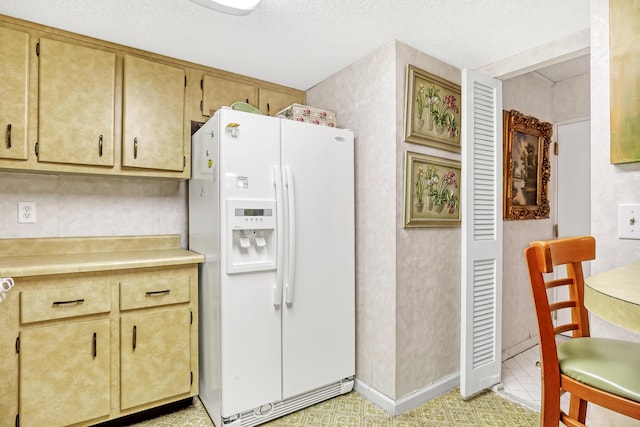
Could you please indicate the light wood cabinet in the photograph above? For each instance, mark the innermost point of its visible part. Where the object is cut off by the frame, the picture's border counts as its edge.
(155, 333)
(64, 373)
(154, 359)
(96, 346)
(153, 115)
(218, 92)
(273, 101)
(76, 104)
(14, 86)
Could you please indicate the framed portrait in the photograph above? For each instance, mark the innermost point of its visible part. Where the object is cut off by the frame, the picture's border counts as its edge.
(432, 113)
(432, 191)
(526, 166)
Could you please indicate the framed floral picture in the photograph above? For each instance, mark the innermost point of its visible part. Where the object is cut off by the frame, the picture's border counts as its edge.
(432, 191)
(432, 114)
(526, 166)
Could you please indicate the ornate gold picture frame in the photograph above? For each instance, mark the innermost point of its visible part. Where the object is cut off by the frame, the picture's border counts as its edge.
(432, 113)
(526, 166)
(432, 191)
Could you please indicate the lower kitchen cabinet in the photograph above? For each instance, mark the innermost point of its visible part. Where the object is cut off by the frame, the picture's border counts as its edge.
(64, 373)
(153, 362)
(91, 336)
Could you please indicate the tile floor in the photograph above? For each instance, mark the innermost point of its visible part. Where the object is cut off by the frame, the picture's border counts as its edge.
(521, 380)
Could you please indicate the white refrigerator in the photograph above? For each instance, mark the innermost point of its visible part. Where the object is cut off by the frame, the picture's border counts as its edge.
(271, 206)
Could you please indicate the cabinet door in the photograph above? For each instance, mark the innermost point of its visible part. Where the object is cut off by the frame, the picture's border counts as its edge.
(76, 102)
(64, 373)
(218, 92)
(153, 115)
(14, 80)
(155, 356)
(271, 101)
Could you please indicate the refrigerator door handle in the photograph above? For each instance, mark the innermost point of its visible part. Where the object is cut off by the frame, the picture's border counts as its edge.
(277, 289)
(291, 259)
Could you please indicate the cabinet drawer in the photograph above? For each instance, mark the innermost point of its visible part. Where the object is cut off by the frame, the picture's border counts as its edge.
(155, 289)
(56, 303)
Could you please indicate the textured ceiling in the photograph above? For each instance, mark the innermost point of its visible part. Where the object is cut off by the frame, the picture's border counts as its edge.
(299, 43)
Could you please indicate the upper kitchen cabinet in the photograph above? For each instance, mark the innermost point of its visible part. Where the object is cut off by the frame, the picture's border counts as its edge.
(153, 131)
(14, 81)
(76, 104)
(273, 101)
(218, 92)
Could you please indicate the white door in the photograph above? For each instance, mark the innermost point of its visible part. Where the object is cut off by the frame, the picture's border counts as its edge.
(573, 192)
(574, 179)
(250, 321)
(318, 312)
(481, 276)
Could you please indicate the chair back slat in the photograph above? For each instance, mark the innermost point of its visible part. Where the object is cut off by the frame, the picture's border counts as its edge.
(562, 304)
(558, 282)
(565, 328)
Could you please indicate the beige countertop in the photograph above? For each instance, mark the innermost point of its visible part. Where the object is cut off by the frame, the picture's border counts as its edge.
(44, 256)
(614, 295)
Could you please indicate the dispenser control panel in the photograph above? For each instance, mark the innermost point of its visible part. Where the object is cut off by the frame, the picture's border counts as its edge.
(251, 225)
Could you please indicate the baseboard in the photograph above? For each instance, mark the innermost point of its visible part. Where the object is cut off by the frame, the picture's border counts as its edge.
(519, 348)
(408, 401)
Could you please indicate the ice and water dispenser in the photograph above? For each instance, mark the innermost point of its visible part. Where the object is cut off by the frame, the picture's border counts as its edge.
(251, 226)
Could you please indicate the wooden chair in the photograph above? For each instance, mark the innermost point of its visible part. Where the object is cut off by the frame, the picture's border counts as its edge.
(603, 371)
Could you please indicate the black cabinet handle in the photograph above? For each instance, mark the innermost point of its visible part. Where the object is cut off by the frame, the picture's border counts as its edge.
(9, 135)
(135, 148)
(95, 345)
(100, 145)
(70, 302)
(135, 333)
(158, 293)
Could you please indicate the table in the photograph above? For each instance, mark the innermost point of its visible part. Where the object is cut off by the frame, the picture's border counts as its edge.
(614, 295)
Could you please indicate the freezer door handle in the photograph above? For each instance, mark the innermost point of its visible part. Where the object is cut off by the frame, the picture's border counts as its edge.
(277, 289)
(291, 258)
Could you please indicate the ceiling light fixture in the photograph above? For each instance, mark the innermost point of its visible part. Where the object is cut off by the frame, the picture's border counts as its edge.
(231, 7)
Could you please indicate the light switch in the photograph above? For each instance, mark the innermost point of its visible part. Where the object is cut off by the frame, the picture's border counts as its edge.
(629, 221)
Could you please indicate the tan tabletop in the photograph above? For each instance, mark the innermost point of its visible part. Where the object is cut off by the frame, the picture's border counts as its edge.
(614, 296)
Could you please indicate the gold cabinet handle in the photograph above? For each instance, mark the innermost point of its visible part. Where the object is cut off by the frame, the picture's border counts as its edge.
(100, 145)
(9, 135)
(135, 148)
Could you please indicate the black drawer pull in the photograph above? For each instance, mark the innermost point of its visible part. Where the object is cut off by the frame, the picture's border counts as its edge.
(9, 135)
(134, 338)
(158, 293)
(70, 302)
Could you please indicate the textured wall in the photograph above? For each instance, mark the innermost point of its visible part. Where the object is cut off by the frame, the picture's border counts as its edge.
(428, 263)
(69, 205)
(407, 280)
(364, 97)
(531, 95)
(610, 185)
(571, 99)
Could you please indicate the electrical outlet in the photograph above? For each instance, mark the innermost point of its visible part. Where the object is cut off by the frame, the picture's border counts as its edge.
(629, 221)
(26, 212)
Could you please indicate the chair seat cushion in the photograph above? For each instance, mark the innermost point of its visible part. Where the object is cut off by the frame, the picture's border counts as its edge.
(603, 363)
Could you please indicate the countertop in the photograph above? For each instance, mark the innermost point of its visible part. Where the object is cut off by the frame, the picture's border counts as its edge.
(45, 256)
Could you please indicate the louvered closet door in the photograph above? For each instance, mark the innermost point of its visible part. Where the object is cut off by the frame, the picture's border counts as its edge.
(481, 276)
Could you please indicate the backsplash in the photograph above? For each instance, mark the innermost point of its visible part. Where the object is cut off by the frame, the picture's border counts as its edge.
(68, 205)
